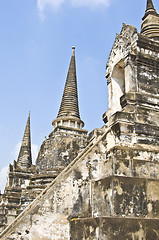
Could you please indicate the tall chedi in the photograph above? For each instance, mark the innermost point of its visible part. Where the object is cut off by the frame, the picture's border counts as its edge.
(67, 138)
(111, 190)
(23, 166)
(25, 158)
(26, 181)
(68, 114)
(18, 179)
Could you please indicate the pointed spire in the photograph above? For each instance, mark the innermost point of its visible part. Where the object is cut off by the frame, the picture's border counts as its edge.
(24, 158)
(150, 5)
(150, 24)
(150, 10)
(69, 109)
(69, 103)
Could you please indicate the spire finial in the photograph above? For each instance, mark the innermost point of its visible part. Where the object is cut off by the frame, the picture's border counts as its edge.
(73, 51)
(150, 24)
(150, 5)
(69, 103)
(24, 158)
(69, 110)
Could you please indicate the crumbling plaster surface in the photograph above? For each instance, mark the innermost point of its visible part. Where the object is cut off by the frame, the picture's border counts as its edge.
(60, 148)
(67, 197)
(127, 197)
(114, 229)
(123, 45)
(73, 194)
(111, 188)
(140, 61)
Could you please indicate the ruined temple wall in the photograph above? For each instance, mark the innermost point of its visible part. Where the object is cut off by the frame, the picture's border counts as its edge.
(67, 198)
(102, 182)
(114, 229)
(110, 190)
(60, 148)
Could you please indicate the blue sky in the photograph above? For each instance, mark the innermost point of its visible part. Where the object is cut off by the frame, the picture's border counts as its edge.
(36, 39)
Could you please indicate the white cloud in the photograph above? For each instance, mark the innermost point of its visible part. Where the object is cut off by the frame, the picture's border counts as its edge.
(53, 3)
(56, 4)
(90, 3)
(3, 178)
(43, 4)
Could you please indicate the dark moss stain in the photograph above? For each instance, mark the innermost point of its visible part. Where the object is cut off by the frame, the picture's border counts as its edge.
(114, 229)
(77, 174)
(155, 206)
(78, 205)
(80, 229)
(132, 197)
(152, 235)
(27, 232)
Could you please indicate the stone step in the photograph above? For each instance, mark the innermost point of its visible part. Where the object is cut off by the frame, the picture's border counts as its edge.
(114, 228)
(36, 186)
(42, 182)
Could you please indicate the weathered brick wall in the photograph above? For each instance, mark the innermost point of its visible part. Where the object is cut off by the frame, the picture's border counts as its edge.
(61, 147)
(110, 190)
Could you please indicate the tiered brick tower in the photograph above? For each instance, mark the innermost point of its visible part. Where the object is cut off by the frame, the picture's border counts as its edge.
(68, 114)
(67, 137)
(24, 158)
(19, 175)
(150, 26)
(26, 181)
